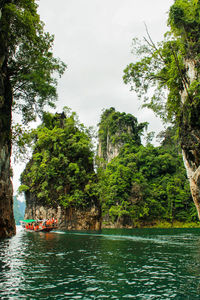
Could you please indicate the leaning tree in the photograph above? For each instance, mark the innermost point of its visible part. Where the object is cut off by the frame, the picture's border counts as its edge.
(27, 84)
(171, 71)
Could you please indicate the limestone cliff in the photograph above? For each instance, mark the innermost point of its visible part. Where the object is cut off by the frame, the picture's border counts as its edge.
(59, 180)
(111, 150)
(68, 218)
(115, 129)
(190, 131)
(7, 223)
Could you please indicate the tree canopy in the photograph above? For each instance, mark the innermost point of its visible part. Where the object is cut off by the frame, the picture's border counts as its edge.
(170, 70)
(142, 184)
(145, 184)
(27, 50)
(163, 67)
(61, 171)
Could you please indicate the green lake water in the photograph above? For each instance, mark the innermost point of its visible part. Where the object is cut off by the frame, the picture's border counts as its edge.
(111, 264)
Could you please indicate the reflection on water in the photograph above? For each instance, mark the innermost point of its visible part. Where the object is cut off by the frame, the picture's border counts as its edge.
(112, 264)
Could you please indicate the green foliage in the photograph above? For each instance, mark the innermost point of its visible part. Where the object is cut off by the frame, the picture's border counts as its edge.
(142, 184)
(61, 168)
(118, 128)
(184, 22)
(146, 184)
(170, 70)
(162, 68)
(21, 142)
(157, 71)
(29, 58)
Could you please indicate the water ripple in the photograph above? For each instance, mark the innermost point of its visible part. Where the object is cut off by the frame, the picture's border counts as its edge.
(138, 264)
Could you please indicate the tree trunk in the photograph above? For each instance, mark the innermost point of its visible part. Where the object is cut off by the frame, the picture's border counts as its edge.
(7, 222)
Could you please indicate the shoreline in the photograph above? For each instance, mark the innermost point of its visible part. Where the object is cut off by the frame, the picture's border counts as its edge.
(154, 224)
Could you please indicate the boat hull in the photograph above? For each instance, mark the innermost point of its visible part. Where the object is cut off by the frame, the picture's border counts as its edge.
(40, 230)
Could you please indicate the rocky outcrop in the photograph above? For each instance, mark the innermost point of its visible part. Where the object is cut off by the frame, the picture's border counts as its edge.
(116, 129)
(120, 222)
(190, 132)
(112, 149)
(7, 223)
(68, 218)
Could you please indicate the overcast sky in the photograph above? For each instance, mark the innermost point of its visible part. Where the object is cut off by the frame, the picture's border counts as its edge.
(93, 37)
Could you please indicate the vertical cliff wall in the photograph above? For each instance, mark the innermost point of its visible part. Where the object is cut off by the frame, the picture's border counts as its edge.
(116, 129)
(7, 223)
(190, 131)
(68, 218)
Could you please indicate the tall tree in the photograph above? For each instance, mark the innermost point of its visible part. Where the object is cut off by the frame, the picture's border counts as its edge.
(172, 69)
(27, 84)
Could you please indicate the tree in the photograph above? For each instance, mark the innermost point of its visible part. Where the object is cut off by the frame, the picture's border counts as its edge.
(27, 84)
(171, 69)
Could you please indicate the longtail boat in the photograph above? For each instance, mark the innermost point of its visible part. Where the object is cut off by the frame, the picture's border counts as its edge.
(39, 225)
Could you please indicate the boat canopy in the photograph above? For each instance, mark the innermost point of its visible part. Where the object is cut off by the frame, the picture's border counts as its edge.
(28, 221)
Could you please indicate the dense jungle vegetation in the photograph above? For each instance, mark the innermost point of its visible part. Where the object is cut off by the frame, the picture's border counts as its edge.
(166, 76)
(141, 185)
(61, 171)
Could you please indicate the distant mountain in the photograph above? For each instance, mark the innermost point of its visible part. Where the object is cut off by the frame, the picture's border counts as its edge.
(19, 210)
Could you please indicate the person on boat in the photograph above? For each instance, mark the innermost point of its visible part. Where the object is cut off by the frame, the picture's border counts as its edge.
(44, 224)
(36, 227)
(49, 223)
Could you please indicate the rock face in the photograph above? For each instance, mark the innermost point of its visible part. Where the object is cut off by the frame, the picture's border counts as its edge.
(7, 223)
(190, 133)
(122, 222)
(68, 219)
(112, 149)
(115, 129)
